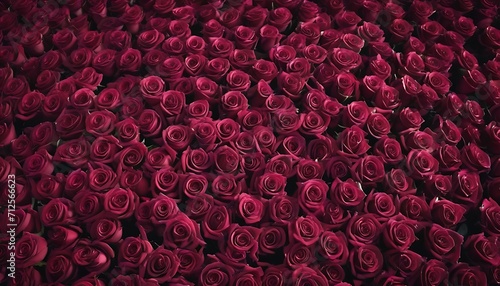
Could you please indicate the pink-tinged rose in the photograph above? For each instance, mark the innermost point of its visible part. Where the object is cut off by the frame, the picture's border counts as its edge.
(370, 32)
(195, 45)
(213, 28)
(217, 68)
(38, 164)
(482, 250)
(215, 222)
(254, 119)
(74, 152)
(293, 144)
(448, 132)
(363, 229)
(76, 182)
(107, 230)
(399, 233)
(60, 267)
(314, 54)
(350, 42)
(275, 275)
(220, 48)
(368, 170)
(253, 162)
(149, 40)
(190, 261)
(172, 102)
(430, 31)
(178, 137)
(173, 46)
(490, 211)
(298, 255)
(30, 250)
(378, 126)
(283, 209)
(366, 261)
(82, 99)
(446, 213)
(333, 247)
(91, 40)
(216, 273)
(443, 244)
(61, 237)
(182, 232)
(345, 59)
(370, 85)
(475, 159)
(448, 157)
(299, 67)
(160, 264)
(58, 211)
(415, 208)
(132, 155)
(70, 123)
(379, 67)
(280, 17)
(205, 88)
(421, 164)
(356, 114)
(389, 150)
(104, 148)
(129, 60)
(400, 31)
(195, 64)
(269, 37)
(196, 160)
(232, 102)
(105, 61)
(16, 87)
(345, 86)
(226, 159)
(271, 238)
(275, 103)
(238, 80)
(244, 239)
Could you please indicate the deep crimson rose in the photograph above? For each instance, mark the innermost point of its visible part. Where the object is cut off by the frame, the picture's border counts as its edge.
(366, 261)
(369, 169)
(182, 232)
(443, 243)
(161, 264)
(271, 238)
(421, 164)
(215, 222)
(467, 188)
(58, 211)
(433, 272)
(306, 230)
(462, 273)
(415, 208)
(346, 194)
(312, 195)
(482, 250)
(363, 229)
(216, 273)
(490, 210)
(399, 233)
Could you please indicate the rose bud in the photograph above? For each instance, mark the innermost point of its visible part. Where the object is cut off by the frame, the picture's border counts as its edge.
(446, 213)
(368, 170)
(215, 222)
(443, 243)
(448, 157)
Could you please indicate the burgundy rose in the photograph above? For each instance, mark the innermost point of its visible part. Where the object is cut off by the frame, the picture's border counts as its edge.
(30, 250)
(306, 230)
(443, 243)
(366, 261)
(363, 229)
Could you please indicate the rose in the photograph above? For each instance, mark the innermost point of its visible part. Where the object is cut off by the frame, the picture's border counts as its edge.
(369, 169)
(467, 188)
(411, 64)
(482, 250)
(363, 229)
(282, 209)
(220, 48)
(312, 195)
(242, 59)
(298, 254)
(406, 261)
(446, 213)
(195, 64)
(227, 130)
(21, 147)
(101, 178)
(462, 273)
(293, 144)
(433, 272)
(160, 264)
(120, 203)
(345, 59)
(382, 205)
(398, 182)
(195, 45)
(356, 114)
(443, 243)
(27, 220)
(207, 89)
(378, 126)
(389, 150)
(414, 208)
(217, 68)
(306, 230)
(215, 222)
(475, 159)
(59, 211)
(227, 187)
(366, 261)
(133, 252)
(190, 261)
(238, 80)
(263, 70)
(399, 233)
(107, 230)
(182, 232)
(250, 208)
(212, 28)
(489, 211)
(430, 31)
(346, 194)
(271, 238)
(333, 246)
(216, 273)
(421, 164)
(60, 267)
(345, 86)
(48, 187)
(400, 30)
(30, 250)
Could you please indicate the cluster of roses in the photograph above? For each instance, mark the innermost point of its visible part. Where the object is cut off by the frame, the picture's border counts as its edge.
(251, 142)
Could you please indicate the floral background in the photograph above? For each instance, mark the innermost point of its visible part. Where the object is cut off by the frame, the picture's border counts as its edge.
(239, 142)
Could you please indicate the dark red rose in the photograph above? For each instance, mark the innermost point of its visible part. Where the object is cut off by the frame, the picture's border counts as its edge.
(448, 157)
(446, 213)
(382, 205)
(490, 210)
(217, 68)
(216, 273)
(368, 169)
(182, 232)
(250, 208)
(475, 159)
(421, 164)
(215, 222)
(160, 264)
(363, 230)
(30, 250)
(366, 261)
(38, 164)
(414, 208)
(389, 150)
(443, 243)
(467, 188)
(269, 37)
(462, 273)
(399, 233)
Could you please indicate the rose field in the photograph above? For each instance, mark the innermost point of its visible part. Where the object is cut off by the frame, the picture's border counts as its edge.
(250, 142)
